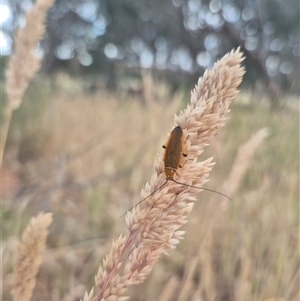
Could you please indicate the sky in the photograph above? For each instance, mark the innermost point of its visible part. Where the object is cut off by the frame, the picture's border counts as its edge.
(5, 23)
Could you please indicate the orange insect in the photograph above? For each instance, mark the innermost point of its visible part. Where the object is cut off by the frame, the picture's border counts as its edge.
(175, 152)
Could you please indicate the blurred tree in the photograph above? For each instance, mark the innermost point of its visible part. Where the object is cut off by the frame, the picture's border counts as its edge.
(181, 37)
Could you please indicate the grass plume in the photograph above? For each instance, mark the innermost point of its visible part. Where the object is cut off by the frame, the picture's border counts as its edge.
(205, 256)
(154, 224)
(243, 160)
(28, 256)
(24, 63)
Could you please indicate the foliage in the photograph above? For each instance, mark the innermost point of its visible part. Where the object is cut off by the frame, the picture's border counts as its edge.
(176, 36)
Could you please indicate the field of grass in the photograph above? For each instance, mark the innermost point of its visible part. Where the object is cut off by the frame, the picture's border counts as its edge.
(85, 157)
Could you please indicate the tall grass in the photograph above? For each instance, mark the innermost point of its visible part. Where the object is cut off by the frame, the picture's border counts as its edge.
(29, 256)
(85, 158)
(87, 182)
(24, 63)
(154, 225)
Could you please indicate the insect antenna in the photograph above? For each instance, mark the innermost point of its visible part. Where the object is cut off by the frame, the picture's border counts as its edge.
(161, 186)
(207, 189)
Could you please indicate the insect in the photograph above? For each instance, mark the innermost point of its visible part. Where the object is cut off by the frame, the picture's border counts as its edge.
(174, 158)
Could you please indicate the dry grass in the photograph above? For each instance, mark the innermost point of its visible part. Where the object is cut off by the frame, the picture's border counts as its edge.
(90, 176)
(153, 225)
(86, 158)
(28, 256)
(23, 63)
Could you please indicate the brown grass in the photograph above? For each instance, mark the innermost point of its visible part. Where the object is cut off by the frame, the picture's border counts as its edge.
(243, 160)
(153, 225)
(28, 256)
(256, 252)
(86, 157)
(24, 63)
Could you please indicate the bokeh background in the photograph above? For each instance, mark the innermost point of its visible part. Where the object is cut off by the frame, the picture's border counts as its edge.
(83, 142)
